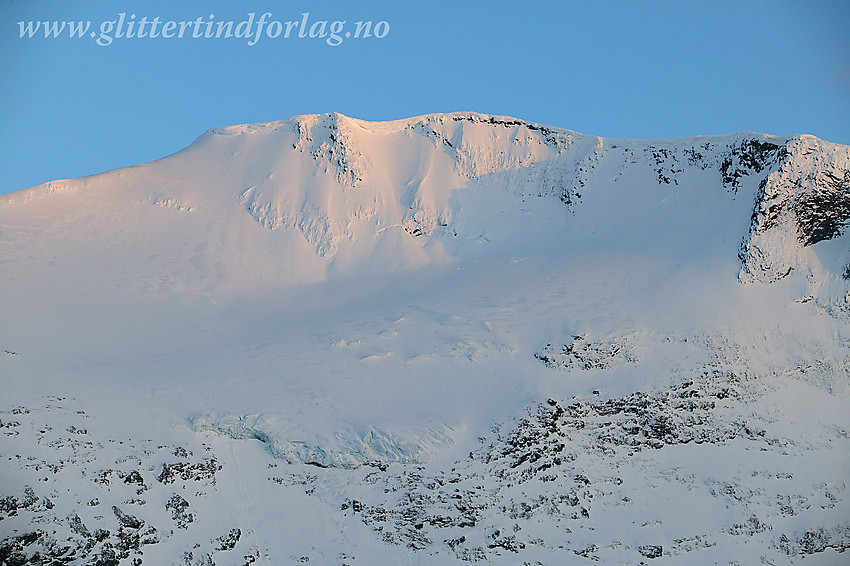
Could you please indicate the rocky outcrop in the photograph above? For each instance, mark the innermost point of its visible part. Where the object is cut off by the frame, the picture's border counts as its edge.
(805, 200)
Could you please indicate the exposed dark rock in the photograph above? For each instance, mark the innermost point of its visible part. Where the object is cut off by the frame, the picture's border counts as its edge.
(816, 540)
(586, 354)
(135, 478)
(180, 511)
(228, 541)
(748, 157)
(586, 552)
(77, 526)
(804, 199)
(200, 471)
(13, 549)
(650, 551)
(127, 521)
(505, 542)
(10, 505)
(751, 527)
(823, 212)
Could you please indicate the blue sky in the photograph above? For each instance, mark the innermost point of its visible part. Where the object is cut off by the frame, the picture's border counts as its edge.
(70, 107)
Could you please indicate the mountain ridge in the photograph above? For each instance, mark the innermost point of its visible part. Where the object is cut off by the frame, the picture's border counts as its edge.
(338, 185)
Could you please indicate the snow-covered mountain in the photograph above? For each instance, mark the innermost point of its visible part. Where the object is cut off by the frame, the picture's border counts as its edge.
(456, 337)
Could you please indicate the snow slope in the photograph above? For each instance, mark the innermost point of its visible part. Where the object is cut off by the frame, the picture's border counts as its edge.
(449, 338)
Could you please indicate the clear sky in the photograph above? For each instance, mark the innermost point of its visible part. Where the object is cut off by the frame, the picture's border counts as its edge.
(70, 107)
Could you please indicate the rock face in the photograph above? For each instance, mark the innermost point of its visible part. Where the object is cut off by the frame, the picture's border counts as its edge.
(804, 200)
